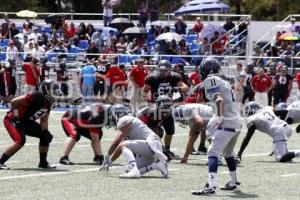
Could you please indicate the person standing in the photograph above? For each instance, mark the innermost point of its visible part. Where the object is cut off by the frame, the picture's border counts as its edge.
(137, 77)
(107, 11)
(117, 82)
(32, 74)
(143, 14)
(261, 84)
(87, 80)
(154, 12)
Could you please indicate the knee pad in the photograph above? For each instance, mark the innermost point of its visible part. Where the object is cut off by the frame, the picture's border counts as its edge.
(46, 138)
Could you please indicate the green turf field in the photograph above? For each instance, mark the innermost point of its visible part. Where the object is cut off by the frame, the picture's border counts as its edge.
(260, 175)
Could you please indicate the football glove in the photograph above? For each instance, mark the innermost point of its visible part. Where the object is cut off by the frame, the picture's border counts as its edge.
(107, 163)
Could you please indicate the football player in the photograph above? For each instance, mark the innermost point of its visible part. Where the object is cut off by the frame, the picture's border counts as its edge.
(289, 113)
(265, 120)
(86, 121)
(21, 121)
(139, 145)
(163, 83)
(224, 127)
(197, 117)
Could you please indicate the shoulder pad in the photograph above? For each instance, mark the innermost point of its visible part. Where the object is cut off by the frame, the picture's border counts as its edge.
(124, 121)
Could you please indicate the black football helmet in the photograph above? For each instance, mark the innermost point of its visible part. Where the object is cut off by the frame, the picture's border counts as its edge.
(50, 89)
(209, 66)
(164, 67)
(251, 108)
(116, 112)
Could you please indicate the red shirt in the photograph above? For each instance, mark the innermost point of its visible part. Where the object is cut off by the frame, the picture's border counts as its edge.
(139, 75)
(198, 27)
(261, 84)
(194, 77)
(114, 75)
(298, 79)
(31, 74)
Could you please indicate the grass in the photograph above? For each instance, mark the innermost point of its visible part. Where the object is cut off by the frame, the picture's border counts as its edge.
(260, 175)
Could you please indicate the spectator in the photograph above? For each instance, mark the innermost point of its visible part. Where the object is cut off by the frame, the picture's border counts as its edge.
(110, 39)
(143, 14)
(184, 50)
(87, 80)
(32, 74)
(81, 35)
(61, 51)
(63, 76)
(43, 38)
(66, 42)
(107, 11)
(98, 39)
(272, 52)
(6, 19)
(229, 25)
(238, 87)
(154, 11)
(198, 26)
(248, 91)
(145, 50)
(4, 32)
(133, 47)
(71, 31)
(257, 61)
(287, 54)
(26, 29)
(292, 26)
(10, 79)
(27, 21)
(12, 53)
(195, 77)
(282, 84)
(101, 84)
(13, 31)
(89, 31)
(242, 31)
(272, 74)
(117, 81)
(204, 47)
(173, 48)
(137, 77)
(94, 51)
(216, 44)
(180, 26)
(28, 50)
(34, 34)
(121, 45)
(261, 84)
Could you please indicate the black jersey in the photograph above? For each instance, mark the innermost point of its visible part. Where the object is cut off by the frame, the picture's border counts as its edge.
(37, 107)
(162, 86)
(282, 82)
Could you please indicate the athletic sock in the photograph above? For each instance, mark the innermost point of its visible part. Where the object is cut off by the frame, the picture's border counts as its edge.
(212, 179)
(4, 158)
(43, 157)
(128, 155)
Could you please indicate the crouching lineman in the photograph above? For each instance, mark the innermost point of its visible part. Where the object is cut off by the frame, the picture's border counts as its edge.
(21, 121)
(139, 145)
(197, 117)
(86, 121)
(226, 123)
(289, 113)
(264, 120)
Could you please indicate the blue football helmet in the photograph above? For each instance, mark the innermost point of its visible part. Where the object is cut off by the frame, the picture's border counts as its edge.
(251, 108)
(280, 107)
(208, 66)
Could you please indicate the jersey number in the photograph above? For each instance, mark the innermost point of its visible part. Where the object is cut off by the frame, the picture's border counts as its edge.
(162, 90)
(269, 116)
(40, 113)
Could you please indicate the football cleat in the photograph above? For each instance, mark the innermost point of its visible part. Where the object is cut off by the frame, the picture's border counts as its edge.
(205, 191)
(162, 166)
(133, 173)
(65, 161)
(3, 167)
(46, 165)
(202, 150)
(230, 186)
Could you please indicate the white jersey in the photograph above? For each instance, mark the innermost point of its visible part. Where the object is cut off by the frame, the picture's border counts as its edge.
(138, 131)
(294, 111)
(214, 85)
(266, 121)
(204, 111)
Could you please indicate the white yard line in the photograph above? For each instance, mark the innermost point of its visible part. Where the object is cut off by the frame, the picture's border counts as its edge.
(289, 175)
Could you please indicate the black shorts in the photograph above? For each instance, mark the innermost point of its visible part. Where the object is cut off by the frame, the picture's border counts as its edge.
(279, 96)
(100, 86)
(169, 125)
(12, 88)
(64, 89)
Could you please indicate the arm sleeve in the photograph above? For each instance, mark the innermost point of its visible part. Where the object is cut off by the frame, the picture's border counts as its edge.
(246, 139)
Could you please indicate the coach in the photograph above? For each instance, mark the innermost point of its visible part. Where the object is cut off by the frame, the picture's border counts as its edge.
(261, 84)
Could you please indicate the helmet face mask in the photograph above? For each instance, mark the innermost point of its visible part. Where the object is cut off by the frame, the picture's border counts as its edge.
(164, 67)
(50, 90)
(164, 105)
(116, 112)
(251, 108)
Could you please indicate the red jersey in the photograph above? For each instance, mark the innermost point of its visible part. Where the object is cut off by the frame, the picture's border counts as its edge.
(298, 79)
(115, 75)
(261, 84)
(139, 75)
(31, 74)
